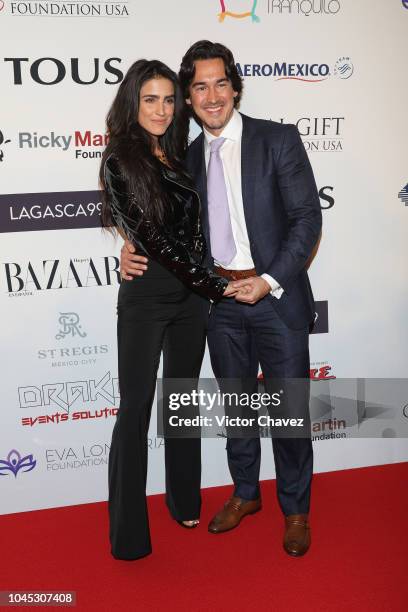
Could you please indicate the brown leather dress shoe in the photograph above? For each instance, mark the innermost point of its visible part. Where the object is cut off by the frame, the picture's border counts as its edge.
(233, 512)
(296, 541)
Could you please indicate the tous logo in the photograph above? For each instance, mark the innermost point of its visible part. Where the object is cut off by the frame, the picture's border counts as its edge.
(250, 12)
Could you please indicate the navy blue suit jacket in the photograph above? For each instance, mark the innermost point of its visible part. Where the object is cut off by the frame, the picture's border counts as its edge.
(281, 207)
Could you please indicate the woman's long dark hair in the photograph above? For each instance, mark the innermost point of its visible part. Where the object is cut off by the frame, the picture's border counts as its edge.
(132, 146)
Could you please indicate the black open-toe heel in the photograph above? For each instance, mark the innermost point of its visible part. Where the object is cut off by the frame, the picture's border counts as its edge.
(193, 526)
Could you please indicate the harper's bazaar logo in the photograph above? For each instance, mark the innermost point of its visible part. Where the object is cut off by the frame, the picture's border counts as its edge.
(29, 277)
(70, 326)
(250, 6)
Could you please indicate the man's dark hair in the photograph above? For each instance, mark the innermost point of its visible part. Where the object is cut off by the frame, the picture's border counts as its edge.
(203, 50)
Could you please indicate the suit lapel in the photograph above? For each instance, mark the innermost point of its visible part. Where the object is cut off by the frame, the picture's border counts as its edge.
(200, 176)
(248, 171)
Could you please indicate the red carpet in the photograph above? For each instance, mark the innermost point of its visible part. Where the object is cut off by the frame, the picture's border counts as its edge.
(358, 559)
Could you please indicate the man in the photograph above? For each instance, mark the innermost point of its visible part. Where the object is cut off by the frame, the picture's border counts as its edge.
(261, 218)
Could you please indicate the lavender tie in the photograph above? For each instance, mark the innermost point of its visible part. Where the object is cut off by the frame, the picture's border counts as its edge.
(223, 247)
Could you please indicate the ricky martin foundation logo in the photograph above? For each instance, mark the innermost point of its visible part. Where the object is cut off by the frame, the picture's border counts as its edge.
(248, 10)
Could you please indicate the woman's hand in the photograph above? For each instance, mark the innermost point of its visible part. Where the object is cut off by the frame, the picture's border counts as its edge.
(230, 290)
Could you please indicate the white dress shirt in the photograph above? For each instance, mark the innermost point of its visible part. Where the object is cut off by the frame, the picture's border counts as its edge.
(230, 154)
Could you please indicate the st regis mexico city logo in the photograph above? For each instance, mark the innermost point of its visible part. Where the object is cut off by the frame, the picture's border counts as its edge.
(70, 326)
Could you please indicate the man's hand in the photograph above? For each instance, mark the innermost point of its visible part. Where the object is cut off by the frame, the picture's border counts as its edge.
(131, 264)
(250, 290)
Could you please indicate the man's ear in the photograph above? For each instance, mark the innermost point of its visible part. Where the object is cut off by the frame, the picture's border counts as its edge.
(188, 101)
(235, 94)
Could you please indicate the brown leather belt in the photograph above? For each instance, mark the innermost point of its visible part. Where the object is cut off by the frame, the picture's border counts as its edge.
(234, 274)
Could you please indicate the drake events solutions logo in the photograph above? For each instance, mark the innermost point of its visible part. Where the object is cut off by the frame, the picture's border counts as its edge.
(249, 7)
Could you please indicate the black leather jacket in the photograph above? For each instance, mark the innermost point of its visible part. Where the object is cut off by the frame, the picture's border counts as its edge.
(178, 244)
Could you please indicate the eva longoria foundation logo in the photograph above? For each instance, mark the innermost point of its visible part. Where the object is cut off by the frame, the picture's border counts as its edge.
(14, 463)
(250, 11)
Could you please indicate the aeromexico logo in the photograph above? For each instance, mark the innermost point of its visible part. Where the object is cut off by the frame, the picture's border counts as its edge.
(307, 72)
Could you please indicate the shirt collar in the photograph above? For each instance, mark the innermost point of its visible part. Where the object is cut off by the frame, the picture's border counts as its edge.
(232, 131)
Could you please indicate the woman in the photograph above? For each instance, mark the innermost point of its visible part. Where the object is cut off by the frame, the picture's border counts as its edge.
(151, 201)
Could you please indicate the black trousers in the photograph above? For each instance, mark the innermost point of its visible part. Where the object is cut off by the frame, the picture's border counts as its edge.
(156, 313)
(240, 336)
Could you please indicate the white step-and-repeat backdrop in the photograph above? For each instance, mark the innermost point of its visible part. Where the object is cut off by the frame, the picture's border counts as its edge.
(335, 68)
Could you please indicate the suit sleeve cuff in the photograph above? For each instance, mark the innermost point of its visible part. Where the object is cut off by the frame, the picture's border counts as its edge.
(276, 289)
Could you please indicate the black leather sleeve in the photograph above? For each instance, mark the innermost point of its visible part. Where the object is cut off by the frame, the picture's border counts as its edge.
(157, 242)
